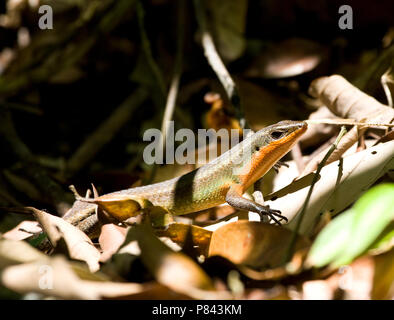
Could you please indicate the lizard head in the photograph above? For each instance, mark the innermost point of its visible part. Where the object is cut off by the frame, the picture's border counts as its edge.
(269, 145)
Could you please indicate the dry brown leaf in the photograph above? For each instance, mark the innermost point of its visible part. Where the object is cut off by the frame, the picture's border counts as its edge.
(346, 101)
(172, 269)
(293, 267)
(80, 247)
(179, 232)
(253, 243)
(54, 277)
(111, 238)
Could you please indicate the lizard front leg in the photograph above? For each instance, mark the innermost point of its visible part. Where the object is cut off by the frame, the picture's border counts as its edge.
(234, 198)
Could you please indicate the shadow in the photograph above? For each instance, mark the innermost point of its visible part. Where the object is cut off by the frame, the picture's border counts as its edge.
(184, 190)
(296, 185)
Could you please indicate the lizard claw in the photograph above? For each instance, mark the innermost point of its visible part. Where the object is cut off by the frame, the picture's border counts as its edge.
(274, 213)
(279, 164)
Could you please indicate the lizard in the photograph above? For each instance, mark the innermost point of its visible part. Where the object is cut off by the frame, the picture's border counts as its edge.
(225, 179)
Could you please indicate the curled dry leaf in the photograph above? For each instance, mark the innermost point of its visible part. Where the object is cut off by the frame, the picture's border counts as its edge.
(346, 101)
(54, 277)
(340, 184)
(253, 243)
(80, 247)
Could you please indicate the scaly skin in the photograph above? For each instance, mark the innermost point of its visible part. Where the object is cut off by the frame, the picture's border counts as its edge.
(223, 180)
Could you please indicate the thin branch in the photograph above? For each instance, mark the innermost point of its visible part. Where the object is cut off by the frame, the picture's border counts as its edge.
(217, 64)
(173, 91)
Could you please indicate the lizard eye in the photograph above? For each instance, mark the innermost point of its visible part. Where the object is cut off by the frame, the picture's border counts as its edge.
(276, 134)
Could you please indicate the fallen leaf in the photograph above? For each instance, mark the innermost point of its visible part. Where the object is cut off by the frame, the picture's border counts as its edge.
(79, 246)
(253, 243)
(54, 277)
(111, 238)
(179, 232)
(23, 230)
(172, 269)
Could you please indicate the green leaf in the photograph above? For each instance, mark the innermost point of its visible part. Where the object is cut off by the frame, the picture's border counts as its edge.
(385, 241)
(373, 213)
(331, 240)
(357, 230)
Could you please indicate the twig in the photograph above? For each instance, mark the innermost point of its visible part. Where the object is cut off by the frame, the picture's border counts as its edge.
(290, 249)
(218, 66)
(105, 132)
(173, 91)
(349, 122)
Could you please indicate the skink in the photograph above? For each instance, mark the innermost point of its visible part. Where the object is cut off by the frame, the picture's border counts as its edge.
(225, 179)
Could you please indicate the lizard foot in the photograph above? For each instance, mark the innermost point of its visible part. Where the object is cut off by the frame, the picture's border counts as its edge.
(273, 214)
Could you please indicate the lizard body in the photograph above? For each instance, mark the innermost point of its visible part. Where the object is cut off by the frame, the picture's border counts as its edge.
(222, 180)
